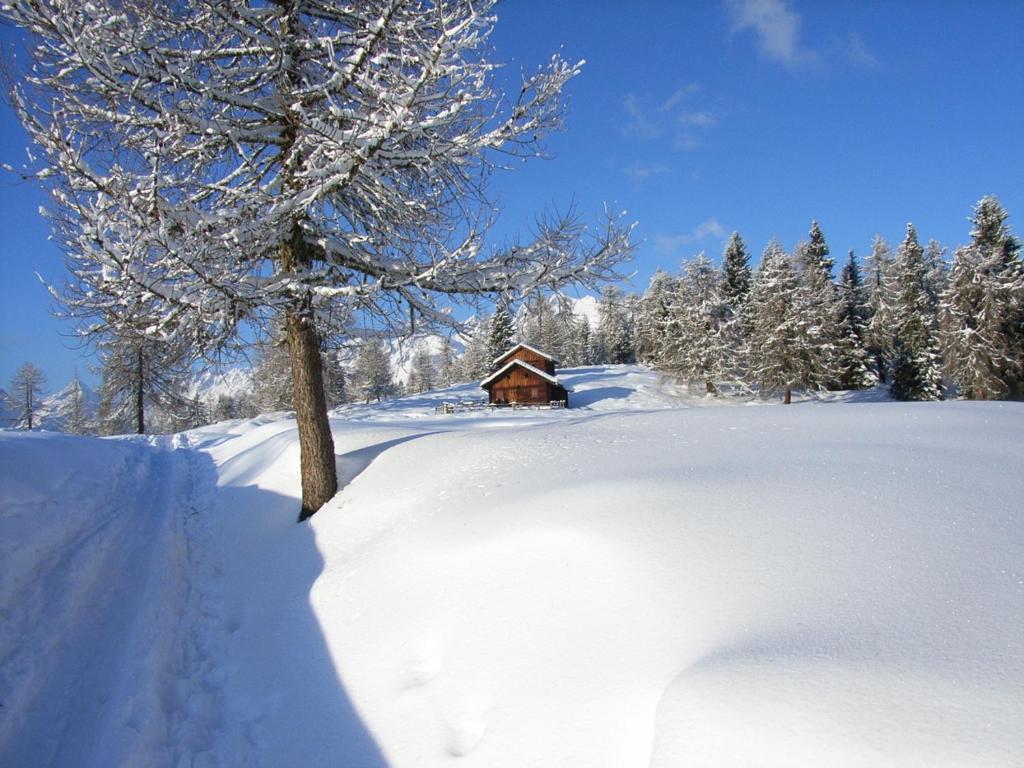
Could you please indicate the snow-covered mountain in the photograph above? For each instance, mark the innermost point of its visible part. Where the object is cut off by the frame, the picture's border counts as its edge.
(211, 384)
(54, 410)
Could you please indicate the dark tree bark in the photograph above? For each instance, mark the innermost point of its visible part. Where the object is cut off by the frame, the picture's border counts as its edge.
(140, 400)
(316, 445)
(787, 398)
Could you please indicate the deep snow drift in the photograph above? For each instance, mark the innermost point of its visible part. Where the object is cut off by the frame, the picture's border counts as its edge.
(637, 581)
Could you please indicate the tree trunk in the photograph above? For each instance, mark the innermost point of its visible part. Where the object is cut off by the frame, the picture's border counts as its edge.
(140, 404)
(787, 398)
(316, 445)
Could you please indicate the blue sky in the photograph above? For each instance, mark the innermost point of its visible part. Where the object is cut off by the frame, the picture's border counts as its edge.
(700, 119)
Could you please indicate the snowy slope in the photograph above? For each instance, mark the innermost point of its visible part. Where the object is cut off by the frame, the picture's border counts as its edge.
(635, 581)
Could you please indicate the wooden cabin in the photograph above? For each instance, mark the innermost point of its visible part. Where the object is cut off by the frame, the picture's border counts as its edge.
(525, 376)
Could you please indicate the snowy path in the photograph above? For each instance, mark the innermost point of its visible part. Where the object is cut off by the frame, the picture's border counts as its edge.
(103, 656)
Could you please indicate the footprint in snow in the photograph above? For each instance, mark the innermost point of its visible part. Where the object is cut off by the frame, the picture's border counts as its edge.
(464, 734)
(420, 671)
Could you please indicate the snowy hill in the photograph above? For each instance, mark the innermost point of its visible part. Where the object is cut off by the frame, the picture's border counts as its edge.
(636, 581)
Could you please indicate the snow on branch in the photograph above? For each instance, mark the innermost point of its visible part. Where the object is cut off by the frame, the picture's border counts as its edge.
(212, 162)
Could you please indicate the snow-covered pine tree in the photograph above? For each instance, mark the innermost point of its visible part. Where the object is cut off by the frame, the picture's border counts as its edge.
(780, 344)
(501, 334)
(916, 374)
(653, 318)
(579, 347)
(937, 275)
(736, 275)
(475, 363)
(26, 389)
(335, 379)
(256, 162)
(852, 361)
(981, 309)
(820, 309)
(541, 327)
(373, 374)
(615, 326)
(878, 338)
(700, 350)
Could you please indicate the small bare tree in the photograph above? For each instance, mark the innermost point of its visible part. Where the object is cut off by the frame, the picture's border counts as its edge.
(26, 389)
(220, 164)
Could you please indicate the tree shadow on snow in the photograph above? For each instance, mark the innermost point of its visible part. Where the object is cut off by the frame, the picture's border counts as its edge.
(352, 464)
(285, 700)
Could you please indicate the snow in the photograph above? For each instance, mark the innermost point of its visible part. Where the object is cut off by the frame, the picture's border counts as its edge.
(521, 364)
(638, 581)
(517, 347)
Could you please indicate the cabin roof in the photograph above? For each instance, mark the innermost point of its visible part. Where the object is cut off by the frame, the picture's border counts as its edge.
(498, 373)
(508, 352)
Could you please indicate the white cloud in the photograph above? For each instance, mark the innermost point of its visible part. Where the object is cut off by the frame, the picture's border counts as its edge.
(679, 96)
(777, 28)
(857, 52)
(640, 122)
(697, 119)
(648, 118)
(669, 244)
(639, 172)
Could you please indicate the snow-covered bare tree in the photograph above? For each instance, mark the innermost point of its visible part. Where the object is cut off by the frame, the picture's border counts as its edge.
(916, 373)
(272, 377)
(74, 411)
(981, 308)
(423, 376)
(448, 368)
(216, 165)
(26, 389)
(140, 376)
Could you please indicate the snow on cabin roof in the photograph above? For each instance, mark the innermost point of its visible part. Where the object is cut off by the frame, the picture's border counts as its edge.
(505, 354)
(527, 366)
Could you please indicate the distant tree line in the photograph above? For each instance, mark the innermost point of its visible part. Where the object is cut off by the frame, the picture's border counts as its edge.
(914, 321)
(911, 320)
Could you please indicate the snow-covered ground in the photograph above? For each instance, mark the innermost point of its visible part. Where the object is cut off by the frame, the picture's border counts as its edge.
(638, 580)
